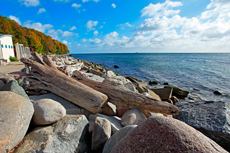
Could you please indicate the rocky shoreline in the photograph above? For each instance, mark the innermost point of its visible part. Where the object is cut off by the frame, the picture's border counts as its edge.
(36, 120)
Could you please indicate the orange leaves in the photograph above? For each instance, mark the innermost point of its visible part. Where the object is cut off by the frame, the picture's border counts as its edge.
(40, 42)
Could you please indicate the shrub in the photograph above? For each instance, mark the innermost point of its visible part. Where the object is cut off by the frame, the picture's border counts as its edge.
(13, 58)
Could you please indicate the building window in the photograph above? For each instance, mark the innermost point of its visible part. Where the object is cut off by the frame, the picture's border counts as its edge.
(8, 46)
(11, 46)
(5, 46)
(2, 45)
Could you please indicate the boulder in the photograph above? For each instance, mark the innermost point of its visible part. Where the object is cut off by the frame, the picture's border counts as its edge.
(116, 66)
(109, 74)
(114, 121)
(94, 77)
(47, 111)
(178, 91)
(101, 133)
(140, 86)
(71, 109)
(5, 77)
(68, 135)
(13, 86)
(217, 92)
(121, 111)
(133, 117)
(67, 62)
(96, 72)
(164, 134)
(154, 95)
(153, 83)
(116, 138)
(175, 100)
(109, 109)
(211, 118)
(1, 83)
(23, 82)
(121, 82)
(15, 116)
(163, 93)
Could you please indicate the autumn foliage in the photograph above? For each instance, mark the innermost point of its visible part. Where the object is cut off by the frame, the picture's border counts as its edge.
(38, 41)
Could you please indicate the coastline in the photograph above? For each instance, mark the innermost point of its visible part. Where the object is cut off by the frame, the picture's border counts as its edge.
(130, 103)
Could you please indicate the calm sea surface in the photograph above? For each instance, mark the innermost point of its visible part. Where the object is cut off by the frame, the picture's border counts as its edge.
(199, 73)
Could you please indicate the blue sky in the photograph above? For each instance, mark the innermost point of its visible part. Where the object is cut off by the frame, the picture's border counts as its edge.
(126, 26)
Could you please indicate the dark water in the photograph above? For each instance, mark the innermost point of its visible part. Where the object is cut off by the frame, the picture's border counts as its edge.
(200, 73)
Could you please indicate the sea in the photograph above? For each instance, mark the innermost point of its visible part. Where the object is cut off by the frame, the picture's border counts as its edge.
(199, 73)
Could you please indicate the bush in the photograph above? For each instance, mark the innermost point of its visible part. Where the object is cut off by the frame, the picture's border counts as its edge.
(13, 58)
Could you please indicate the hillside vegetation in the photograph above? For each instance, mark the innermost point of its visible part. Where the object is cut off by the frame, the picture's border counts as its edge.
(40, 42)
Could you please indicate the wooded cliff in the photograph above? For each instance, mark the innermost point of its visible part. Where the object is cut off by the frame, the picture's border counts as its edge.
(40, 42)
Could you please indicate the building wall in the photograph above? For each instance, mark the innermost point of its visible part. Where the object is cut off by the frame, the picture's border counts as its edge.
(7, 48)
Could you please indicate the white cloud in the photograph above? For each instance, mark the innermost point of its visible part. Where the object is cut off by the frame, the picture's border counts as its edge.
(55, 34)
(15, 19)
(67, 34)
(65, 42)
(101, 27)
(165, 30)
(161, 9)
(122, 26)
(41, 10)
(84, 40)
(37, 26)
(78, 45)
(95, 32)
(90, 24)
(72, 28)
(76, 5)
(28, 3)
(113, 5)
(96, 1)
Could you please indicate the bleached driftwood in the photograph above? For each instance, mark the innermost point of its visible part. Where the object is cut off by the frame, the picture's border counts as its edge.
(125, 98)
(45, 76)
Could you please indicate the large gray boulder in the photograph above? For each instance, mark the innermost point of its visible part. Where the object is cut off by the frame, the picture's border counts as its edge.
(164, 134)
(15, 116)
(116, 138)
(1, 83)
(109, 74)
(114, 121)
(68, 135)
(94, 77)
(133, 117)
(70, 107)
(121, 82)
(101, 133)
(5, 77)
(47, 111)
(211, 118)
(13, 86)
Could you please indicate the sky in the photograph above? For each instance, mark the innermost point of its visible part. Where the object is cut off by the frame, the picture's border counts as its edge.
(127, 26)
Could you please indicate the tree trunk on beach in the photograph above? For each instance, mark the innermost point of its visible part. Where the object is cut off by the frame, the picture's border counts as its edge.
(125, 98)
(45, 76)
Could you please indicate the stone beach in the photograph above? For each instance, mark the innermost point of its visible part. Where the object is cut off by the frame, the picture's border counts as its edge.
(37, 120)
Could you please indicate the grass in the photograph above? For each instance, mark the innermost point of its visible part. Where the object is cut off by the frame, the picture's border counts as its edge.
(13, 58)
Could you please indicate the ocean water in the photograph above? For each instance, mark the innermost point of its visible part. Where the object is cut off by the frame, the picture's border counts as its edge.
(199, 73)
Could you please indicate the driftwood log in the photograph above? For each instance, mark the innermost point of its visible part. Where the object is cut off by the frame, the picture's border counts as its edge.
(45, 76)
(128, 99)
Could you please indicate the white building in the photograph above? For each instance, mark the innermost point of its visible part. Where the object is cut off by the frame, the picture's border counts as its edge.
(6, 47)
